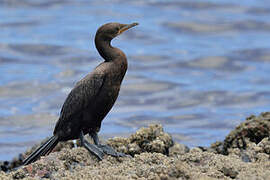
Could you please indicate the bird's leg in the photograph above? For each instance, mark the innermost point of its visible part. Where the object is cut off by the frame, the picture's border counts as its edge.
(105, 148)
(91, 147)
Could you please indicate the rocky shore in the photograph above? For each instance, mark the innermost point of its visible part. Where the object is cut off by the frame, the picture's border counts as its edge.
(244, 154)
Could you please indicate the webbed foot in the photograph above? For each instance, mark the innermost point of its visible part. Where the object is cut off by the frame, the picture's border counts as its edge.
(106, 148)
(110, 151)
(93, 149)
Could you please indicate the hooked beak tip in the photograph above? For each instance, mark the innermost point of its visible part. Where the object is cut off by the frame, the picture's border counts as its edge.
(127, 26)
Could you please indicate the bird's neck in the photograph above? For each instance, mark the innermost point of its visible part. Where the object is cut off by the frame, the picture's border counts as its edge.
(108, 52)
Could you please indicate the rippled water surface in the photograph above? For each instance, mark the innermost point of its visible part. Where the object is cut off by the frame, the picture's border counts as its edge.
(197, 67)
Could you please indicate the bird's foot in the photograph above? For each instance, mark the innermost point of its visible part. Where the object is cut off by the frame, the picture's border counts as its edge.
(106, 149)
(92, 148)
(99, 153)
(110, 151)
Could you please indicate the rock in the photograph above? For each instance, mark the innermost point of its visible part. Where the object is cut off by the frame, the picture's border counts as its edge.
(156, 156)
(151, 139)
(178, 149)
(254, 129)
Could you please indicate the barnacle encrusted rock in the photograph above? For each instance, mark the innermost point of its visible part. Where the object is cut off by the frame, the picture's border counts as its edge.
(253, 130)
(155, 156)
(150, 139)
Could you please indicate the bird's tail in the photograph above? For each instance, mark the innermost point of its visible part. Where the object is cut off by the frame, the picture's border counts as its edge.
(44, 149)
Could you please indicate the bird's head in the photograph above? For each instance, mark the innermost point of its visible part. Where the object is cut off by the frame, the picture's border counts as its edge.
(111, 30)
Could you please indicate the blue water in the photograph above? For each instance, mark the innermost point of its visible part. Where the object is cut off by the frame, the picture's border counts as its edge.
(196, 67)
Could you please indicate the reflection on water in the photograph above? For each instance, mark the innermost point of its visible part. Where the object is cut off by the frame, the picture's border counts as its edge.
(198, 69)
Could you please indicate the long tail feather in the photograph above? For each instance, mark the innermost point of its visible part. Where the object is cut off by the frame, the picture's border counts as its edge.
(44, 149)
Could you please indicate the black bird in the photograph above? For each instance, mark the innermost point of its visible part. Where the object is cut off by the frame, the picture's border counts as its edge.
(91, 99)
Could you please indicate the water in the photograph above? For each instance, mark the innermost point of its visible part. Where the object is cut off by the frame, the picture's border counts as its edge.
(197, 67)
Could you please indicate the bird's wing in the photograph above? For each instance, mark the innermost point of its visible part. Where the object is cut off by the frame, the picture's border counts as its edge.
(80, 96)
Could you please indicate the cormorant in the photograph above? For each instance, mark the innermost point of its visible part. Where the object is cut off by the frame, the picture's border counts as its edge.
(91, 99)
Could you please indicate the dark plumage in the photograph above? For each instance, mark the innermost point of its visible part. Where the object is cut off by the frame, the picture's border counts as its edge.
(92, 98)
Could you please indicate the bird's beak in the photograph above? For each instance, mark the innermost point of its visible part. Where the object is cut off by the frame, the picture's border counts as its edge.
(125, 27)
